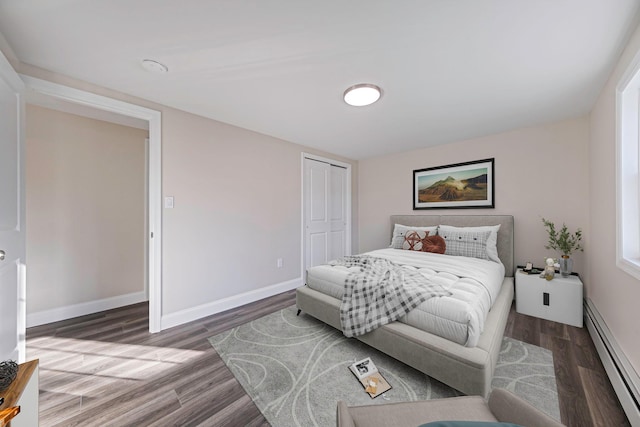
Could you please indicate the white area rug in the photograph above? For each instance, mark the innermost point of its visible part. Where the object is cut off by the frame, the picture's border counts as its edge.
(296, 369)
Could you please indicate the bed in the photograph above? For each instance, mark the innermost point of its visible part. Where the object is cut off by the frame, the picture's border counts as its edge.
(468, 369)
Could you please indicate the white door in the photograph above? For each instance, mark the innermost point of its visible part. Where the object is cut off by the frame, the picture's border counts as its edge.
(325, 212)
(317, 223)
(337, 204)
(12, 218)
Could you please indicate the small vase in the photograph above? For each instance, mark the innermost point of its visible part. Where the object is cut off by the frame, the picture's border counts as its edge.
(566, 266)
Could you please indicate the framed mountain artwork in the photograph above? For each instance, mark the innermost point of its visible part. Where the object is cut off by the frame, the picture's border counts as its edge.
(461, 185)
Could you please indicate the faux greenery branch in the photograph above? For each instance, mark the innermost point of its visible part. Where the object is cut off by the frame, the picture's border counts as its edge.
(563, 241)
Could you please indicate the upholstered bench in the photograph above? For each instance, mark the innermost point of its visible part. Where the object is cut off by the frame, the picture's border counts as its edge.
(503, 406)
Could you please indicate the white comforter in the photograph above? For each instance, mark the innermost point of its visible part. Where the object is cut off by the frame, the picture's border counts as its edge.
(474, 284)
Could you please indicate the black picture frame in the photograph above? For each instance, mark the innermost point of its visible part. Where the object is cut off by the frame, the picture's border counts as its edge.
(469, 185)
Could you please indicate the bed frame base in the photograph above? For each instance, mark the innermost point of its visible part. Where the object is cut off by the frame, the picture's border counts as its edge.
(467, 369)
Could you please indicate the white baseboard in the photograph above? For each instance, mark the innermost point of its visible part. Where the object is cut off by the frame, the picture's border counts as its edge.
(623, 377)
(190, 314)
(67, 312)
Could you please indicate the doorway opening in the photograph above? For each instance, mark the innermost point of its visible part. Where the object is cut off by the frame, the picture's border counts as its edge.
(79, 98)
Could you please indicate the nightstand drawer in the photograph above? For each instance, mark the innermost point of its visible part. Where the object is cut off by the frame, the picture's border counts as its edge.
(559, 300)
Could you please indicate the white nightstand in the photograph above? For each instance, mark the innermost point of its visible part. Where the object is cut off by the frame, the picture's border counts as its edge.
(559, 299)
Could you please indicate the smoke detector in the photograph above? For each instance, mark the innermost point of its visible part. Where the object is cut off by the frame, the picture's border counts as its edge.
(154, 66)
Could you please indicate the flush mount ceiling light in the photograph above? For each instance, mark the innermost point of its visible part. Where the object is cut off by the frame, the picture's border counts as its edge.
(154, 66)
(362, 94)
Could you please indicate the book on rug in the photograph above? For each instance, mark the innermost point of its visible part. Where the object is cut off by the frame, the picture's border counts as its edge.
(370, 378)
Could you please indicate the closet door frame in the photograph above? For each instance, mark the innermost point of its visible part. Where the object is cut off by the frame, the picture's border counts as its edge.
(348, 200)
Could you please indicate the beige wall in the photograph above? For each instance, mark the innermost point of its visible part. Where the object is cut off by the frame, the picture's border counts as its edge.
(539, 171)
(614, 293)
(237, 209)
(85, 209)
(238, 205)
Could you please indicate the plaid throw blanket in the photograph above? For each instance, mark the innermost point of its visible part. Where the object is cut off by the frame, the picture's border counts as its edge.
(380, 292)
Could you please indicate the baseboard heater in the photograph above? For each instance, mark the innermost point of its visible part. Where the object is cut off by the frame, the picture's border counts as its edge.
(623, 377)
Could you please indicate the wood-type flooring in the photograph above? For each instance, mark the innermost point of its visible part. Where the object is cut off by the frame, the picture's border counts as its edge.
(106, 369)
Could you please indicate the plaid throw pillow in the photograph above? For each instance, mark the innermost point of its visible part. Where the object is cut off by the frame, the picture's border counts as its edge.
(466, 243)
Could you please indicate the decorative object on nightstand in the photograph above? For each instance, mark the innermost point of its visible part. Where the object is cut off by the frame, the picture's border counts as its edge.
(550, 269)
(564, 242)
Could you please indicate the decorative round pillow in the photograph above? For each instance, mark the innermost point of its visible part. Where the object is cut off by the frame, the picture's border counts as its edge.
(435, 244)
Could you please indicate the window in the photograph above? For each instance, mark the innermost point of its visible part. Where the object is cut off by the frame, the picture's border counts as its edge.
(627, 170)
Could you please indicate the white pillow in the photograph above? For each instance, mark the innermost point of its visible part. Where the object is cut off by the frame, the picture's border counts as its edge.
(399, 231)
(492, 240)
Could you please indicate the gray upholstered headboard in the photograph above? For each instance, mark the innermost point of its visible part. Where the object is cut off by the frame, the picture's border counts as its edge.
(505, 235)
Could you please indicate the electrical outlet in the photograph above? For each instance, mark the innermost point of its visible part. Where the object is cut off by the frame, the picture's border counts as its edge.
(279, 262)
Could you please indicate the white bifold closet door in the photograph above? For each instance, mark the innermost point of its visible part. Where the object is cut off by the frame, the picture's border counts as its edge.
(325, 216)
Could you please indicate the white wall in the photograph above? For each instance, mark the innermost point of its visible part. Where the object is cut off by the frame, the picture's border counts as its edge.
(539, 172)
(85, 209)
(614, 293)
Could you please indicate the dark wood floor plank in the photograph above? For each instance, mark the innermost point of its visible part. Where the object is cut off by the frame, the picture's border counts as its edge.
(511, 320)
(150, 411)
(50, 328)
(213, 408)
(554, 329)
(124, 404)
(198, 417)
(585, 351)
(134, 396)
(601, 399)
(236, 414)
(573, 403)
(107, 369)
(526, 329)
(53, 404)
(216, 375)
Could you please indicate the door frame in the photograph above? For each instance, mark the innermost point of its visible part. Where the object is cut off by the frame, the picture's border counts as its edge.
(334, 162)
(9, 76)
(154, 176)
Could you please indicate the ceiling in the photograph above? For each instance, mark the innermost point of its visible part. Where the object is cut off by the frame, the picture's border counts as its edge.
(449, 69)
